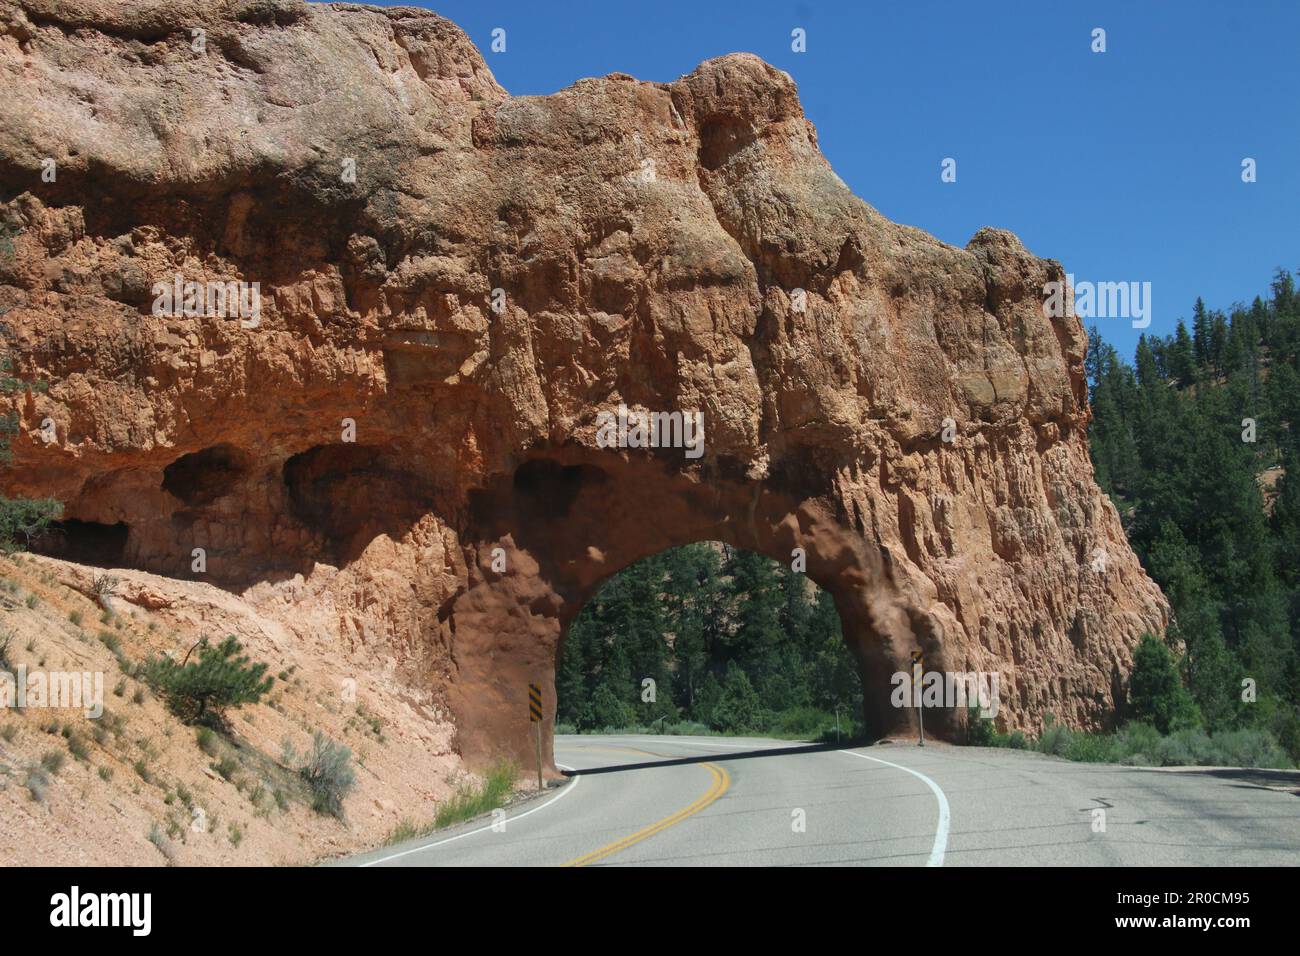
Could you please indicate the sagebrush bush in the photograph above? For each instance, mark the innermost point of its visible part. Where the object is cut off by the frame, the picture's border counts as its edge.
(329, 775)
(1184, 748)
(38, 783)
(1139, 738)
(1139, 744)
(1055, 739)
(53, 761)
(78, 746)
(1249, 748)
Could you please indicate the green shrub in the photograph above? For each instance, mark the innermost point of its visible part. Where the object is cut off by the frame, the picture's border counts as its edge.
(406, 829)
(1016, 740)
(1092, 748)
(201, 691)
(24, 519)
(979, 731)
(801, 722)
(206, 738)
(471, 801)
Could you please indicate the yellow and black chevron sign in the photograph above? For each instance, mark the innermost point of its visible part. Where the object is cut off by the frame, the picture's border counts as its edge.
(534, 703)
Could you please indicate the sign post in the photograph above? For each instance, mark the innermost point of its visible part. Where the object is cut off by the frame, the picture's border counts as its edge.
(918, 670)
(535, 717)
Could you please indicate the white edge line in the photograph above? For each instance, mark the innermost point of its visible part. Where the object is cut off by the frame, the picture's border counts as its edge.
(941, 828)
(460, 836)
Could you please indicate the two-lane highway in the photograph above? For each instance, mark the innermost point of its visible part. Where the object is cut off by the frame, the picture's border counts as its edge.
(663, 800)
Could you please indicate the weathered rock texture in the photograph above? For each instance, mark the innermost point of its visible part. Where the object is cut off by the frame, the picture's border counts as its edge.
(649, 239)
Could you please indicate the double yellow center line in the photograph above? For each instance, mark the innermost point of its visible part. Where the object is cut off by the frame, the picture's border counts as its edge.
(721, 781)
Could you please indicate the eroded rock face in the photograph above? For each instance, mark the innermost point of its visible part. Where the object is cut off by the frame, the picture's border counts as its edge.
(678, 246)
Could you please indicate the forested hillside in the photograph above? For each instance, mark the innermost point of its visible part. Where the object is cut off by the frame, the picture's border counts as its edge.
(1195, 445)
(733, 641)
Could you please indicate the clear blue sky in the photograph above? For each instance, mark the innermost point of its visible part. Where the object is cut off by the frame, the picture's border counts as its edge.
(1124, 165)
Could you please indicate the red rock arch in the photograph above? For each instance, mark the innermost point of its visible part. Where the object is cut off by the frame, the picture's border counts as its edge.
(832, 353)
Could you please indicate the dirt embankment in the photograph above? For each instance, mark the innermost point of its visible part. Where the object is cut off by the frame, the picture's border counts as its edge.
(133, 785)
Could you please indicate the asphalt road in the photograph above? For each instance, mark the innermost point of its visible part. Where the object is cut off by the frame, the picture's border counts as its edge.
(704, 801)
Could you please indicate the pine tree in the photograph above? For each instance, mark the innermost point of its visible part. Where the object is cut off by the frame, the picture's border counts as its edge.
(201, 691)
(1182, 356)
(1156, 692)
(738, 709)
(1201, 333)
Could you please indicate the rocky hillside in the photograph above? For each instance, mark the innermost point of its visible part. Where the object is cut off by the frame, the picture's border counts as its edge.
(133, 785)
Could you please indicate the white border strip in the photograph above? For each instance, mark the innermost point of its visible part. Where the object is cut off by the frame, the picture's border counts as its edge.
(460, 836)
(941, 829)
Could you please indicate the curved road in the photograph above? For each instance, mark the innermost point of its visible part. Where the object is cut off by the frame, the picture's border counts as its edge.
(706, 801)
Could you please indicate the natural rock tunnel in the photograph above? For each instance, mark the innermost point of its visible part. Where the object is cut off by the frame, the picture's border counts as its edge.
(440, 333)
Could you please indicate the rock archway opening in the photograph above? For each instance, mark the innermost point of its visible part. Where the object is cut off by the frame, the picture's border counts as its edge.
(708, 638)
(563, 547)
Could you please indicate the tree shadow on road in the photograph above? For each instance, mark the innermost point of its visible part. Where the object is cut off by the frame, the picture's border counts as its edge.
(1255, 778)
(715, 757)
